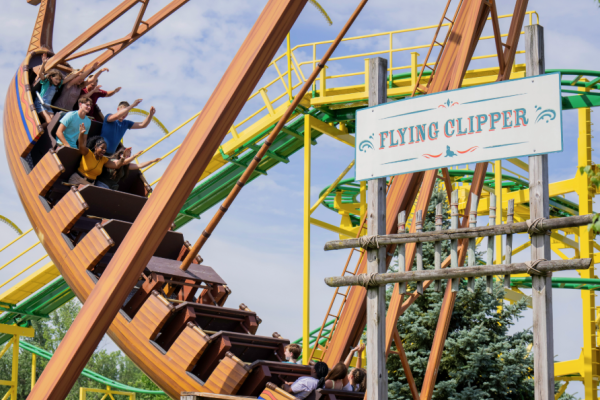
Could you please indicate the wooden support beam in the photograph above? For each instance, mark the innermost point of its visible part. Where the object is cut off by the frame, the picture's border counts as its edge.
(498, 37)
(91, 32)
(475, 271)
(464, 233)
(376, 258)
(144, 28)
(405, 366)
(160, 211)
(97, 48)
(43, 30)
(539, 204)
(138, 20)
(514, 32)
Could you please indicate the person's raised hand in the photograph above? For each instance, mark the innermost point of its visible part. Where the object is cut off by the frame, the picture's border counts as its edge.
(152, 111)
(104, 70)
(117, 90)
(82, 128)
(360, 347)
(139, 153)
(97, 89)
(156, 160)
(44, 58)
(127, 152)
(135, 103)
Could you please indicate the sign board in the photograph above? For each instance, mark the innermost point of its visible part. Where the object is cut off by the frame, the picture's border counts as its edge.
(515, 118)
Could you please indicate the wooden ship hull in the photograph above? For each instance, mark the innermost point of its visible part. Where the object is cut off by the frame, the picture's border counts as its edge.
(173, 325)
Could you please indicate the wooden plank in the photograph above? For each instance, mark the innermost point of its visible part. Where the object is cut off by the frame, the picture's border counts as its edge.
(376, 258)
(463, 272)
(229, 375)
(464, 233)
(539, 204)
(196, 272)
(188, 348)
(152, 316)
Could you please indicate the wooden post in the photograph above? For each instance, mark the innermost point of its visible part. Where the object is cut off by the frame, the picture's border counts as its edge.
(510, 212)
(438, 245)
(376, 258)
(401, 249)
(454, 243)
(541, 293)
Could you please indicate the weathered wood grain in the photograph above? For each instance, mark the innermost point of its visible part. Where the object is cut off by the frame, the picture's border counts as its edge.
(464, 233)
(463, 272)
(376, 258)
(539, 206)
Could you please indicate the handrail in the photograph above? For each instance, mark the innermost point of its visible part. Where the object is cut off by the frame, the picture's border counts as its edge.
(15, 240)
(22, 271)
(297, 67)
(18, 256)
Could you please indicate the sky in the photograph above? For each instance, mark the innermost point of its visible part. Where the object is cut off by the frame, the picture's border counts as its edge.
(257, 248)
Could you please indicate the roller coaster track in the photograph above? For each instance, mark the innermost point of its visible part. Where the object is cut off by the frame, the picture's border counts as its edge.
(42, 292)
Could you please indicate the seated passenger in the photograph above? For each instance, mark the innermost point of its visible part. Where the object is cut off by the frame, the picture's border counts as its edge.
(93, 159)
(115, 125)
(110, 177)
(292, 353)
(72, 85)
(94, 88)
(50, 82)
(337, 378)
(357, 378)
(68, 129)
(305, 385)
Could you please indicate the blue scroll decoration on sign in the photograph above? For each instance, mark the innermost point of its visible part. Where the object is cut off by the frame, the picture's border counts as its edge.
(366, 144)
(545, 115)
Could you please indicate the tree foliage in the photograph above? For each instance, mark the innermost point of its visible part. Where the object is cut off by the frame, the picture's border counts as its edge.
(48, 335)
(481, 358)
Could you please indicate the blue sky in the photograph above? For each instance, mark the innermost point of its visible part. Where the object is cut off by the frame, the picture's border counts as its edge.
(257, 248)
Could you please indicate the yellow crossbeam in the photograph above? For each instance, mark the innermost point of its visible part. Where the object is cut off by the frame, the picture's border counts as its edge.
(331, 131)
(16, 330)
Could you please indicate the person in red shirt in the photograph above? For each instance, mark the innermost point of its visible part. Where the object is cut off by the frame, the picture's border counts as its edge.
(94, 88)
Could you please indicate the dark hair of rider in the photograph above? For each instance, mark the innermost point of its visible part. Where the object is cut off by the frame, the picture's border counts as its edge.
(321, 369)
(95, 141)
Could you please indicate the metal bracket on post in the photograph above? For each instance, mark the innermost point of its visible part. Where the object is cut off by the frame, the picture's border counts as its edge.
(376, 258)
(541, 293)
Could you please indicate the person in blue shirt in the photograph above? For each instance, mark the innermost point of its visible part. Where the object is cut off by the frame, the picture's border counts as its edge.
(115, 125)
(45, 91)
(68, 129)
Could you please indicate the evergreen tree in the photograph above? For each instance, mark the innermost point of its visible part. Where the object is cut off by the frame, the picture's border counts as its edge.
(48, 335)
(481, 359)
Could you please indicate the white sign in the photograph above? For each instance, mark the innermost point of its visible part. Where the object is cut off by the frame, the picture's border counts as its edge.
(516, 118)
